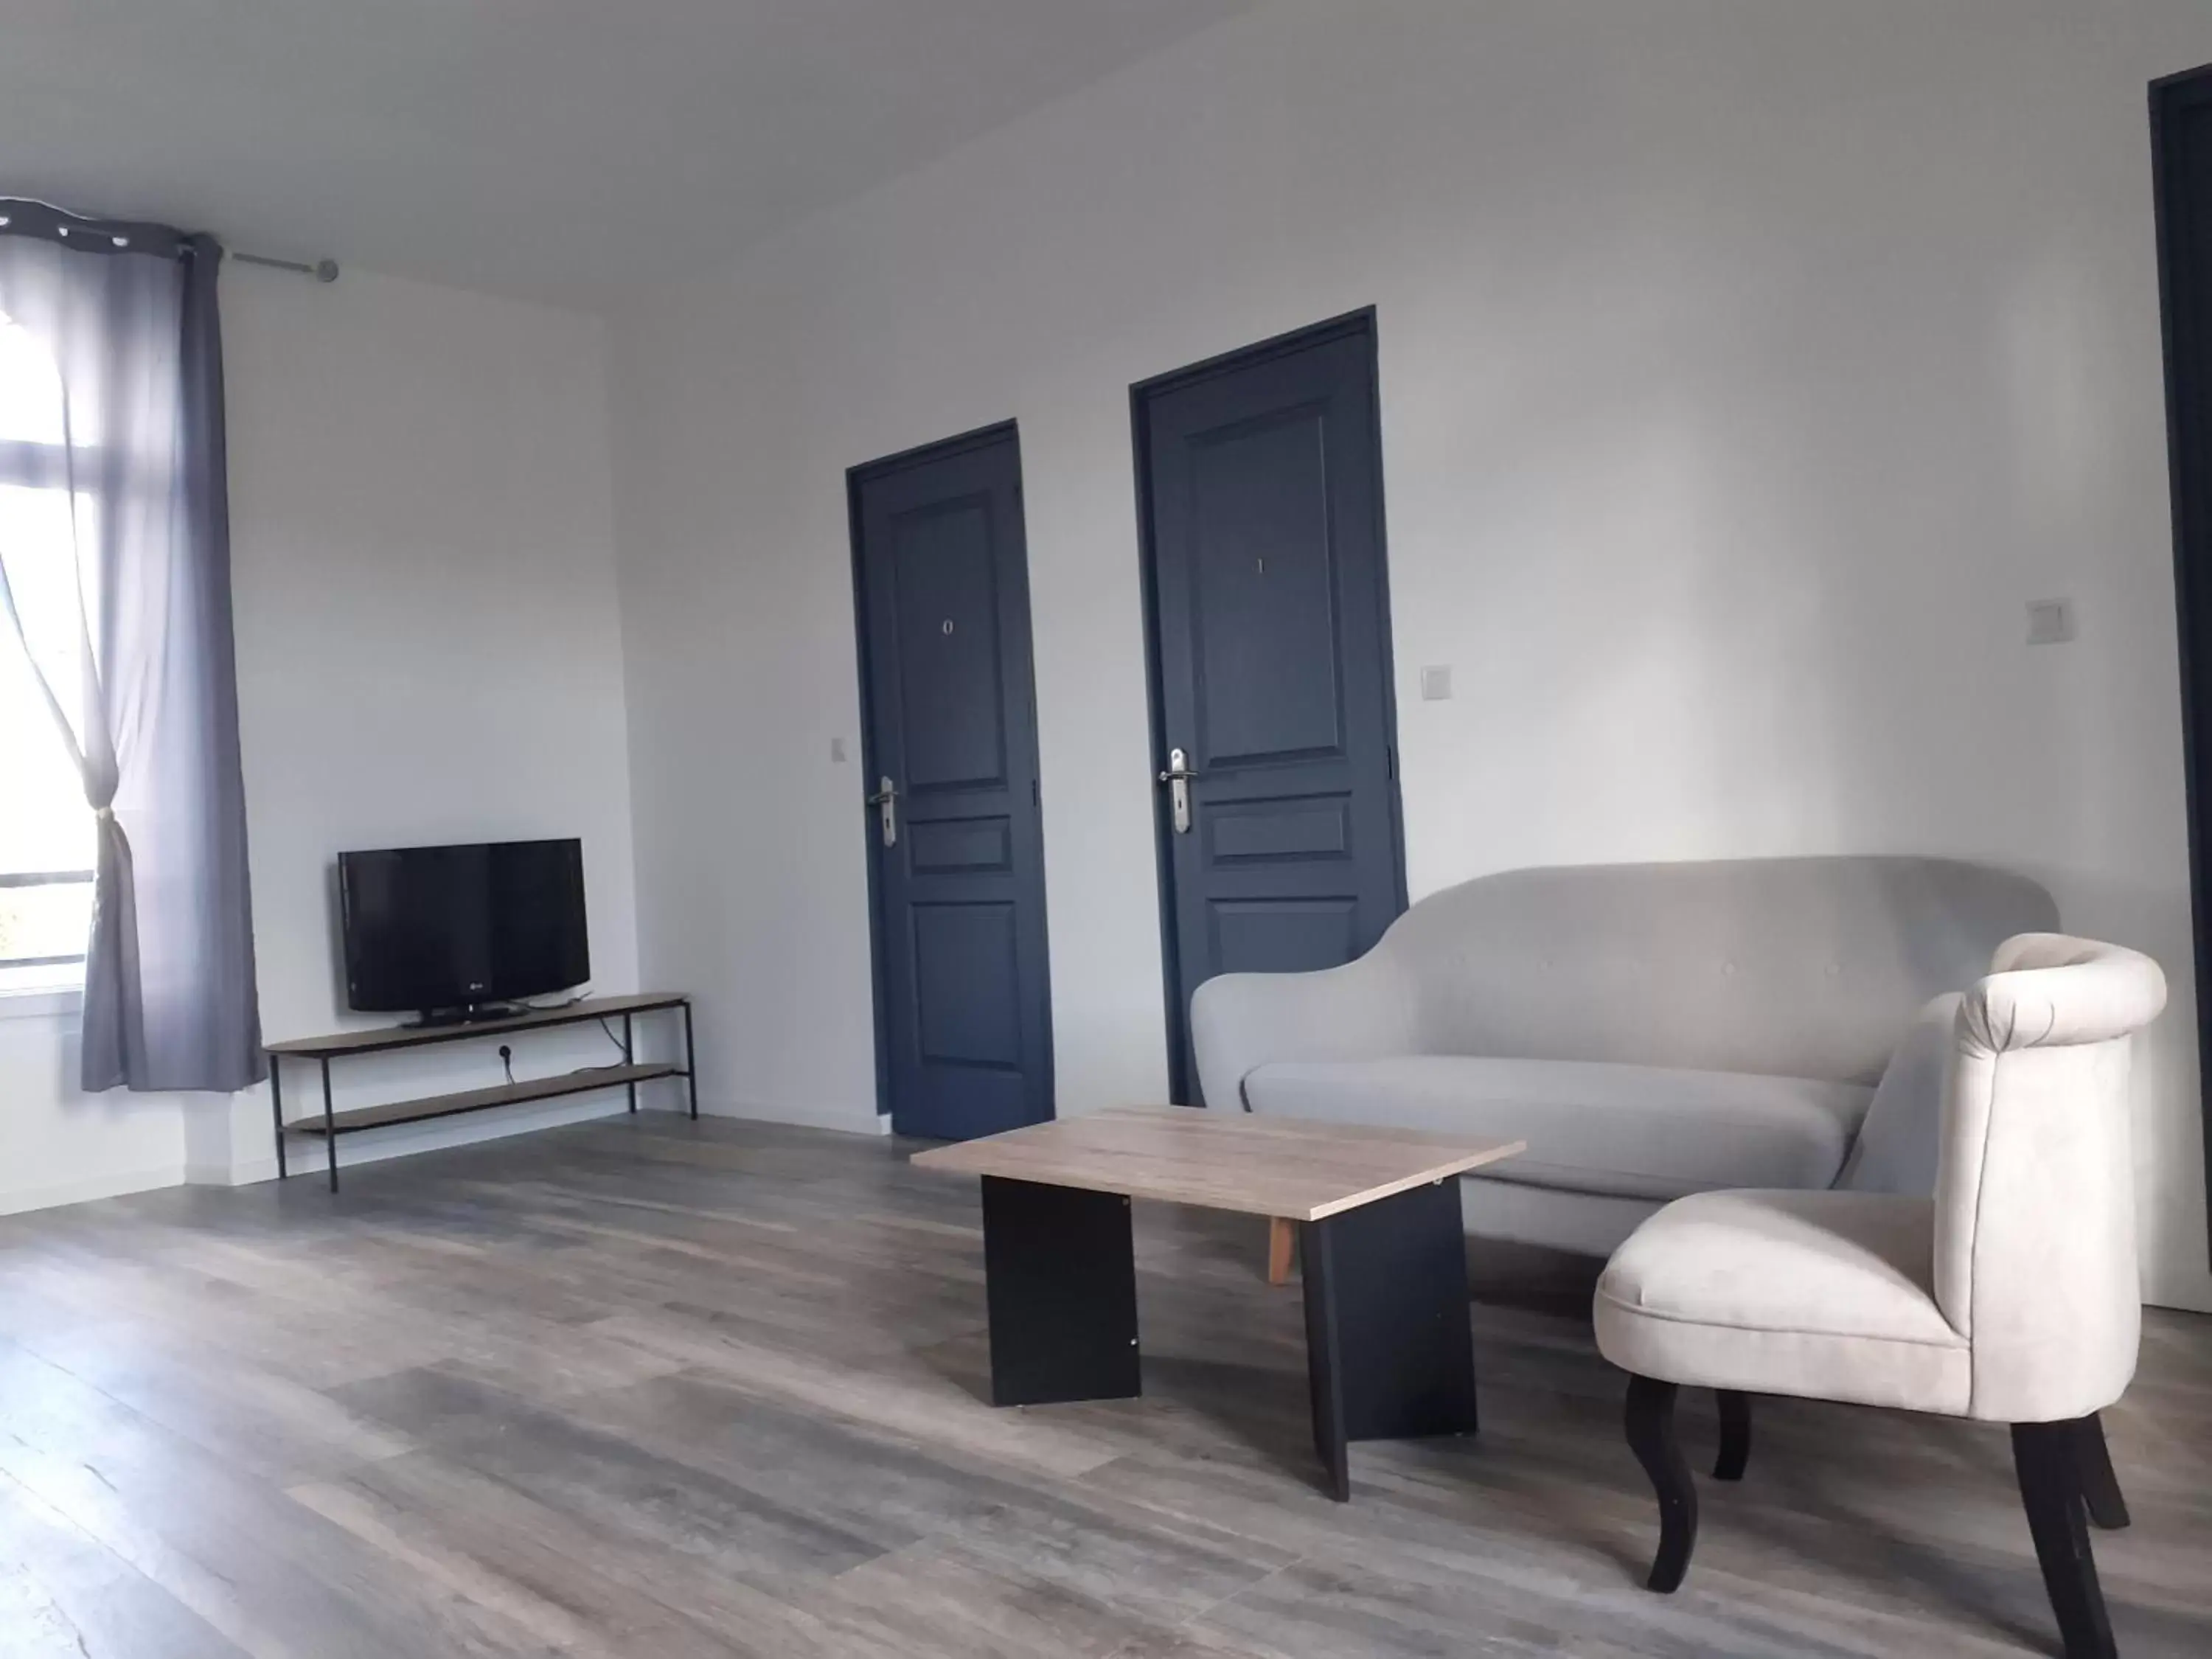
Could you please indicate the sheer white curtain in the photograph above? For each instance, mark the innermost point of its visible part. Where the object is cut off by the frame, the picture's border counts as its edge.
(137, 667)
(45, 829)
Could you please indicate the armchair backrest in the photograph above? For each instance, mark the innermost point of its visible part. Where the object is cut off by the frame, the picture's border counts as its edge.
(1807, 967)
(2035, 1229)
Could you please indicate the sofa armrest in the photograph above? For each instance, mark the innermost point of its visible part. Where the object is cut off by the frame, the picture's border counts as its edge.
(1239, 1022)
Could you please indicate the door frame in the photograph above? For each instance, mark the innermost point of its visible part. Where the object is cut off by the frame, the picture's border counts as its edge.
(2189, 438)
(1351, 325)
(878, 981)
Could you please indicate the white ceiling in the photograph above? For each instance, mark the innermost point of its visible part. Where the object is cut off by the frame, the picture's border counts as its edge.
(553, 149)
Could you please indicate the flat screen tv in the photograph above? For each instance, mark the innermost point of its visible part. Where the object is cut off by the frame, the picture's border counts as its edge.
(459, 933)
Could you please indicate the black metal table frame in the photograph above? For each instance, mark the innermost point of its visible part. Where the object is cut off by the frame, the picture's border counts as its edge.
(277, 1057)
(1390, 1341)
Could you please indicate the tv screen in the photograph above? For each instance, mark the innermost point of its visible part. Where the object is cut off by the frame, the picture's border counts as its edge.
(455, 928)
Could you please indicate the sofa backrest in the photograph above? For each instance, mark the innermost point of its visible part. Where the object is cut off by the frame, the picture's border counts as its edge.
(1808, 967)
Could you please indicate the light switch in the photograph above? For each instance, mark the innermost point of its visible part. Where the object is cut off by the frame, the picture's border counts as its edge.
(1435, 684)
(2050, 622)
(837, 751)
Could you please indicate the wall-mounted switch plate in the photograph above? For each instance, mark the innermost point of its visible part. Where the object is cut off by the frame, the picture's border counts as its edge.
(837, 751)
(1435, 684)
(2050, 622)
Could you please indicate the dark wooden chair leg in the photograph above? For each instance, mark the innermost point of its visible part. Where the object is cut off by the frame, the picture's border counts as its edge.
(1735, 1435)
(2100, 1487)
(1651, 1423)
(2048, 1458)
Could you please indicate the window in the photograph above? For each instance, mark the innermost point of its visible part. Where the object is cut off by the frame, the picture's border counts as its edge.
(45, 829)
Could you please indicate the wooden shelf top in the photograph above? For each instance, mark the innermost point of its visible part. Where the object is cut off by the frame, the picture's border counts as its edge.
(380, 1037)
(1272, 1166)
(478, 1100)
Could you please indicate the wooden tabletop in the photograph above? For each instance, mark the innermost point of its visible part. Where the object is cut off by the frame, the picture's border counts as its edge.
(1272, 1166)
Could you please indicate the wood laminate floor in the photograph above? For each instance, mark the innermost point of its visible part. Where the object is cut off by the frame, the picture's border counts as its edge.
(658, 1390)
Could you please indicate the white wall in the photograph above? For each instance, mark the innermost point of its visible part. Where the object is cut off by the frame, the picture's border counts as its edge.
(1744, 369)
(421, 548)
(59, 1146)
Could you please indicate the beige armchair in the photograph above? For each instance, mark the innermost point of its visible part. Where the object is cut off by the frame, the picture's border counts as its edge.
(2010, 1296)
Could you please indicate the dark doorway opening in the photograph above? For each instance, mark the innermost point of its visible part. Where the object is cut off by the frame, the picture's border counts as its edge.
(2181, 150)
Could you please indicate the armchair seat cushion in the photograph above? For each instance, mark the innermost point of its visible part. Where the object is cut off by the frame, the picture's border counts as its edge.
(1649, 1132)
(1826, 1295)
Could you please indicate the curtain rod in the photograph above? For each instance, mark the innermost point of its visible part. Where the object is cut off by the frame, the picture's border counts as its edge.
(323, 271)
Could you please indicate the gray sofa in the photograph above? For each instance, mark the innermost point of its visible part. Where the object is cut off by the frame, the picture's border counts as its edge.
(1650, 1031)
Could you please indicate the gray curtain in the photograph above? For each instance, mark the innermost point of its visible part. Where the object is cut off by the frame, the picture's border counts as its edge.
(126, 314)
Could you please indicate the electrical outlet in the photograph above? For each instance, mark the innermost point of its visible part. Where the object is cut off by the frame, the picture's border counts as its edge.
(1435, 683)
(2051, 622)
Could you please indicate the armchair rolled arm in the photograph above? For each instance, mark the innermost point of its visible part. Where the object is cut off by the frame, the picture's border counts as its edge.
(2048, 990)
(1240, 1022)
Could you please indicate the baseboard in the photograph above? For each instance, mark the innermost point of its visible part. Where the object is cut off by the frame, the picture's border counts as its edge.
(244, 1173)
(121, 1184)
(845, 1120)
(2190, 1294)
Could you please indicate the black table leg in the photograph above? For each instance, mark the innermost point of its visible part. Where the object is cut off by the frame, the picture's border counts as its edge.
(1389, 1347)
(629, 1058)
(690, 1063)
(1061, 1279)
(330, 1127)
(276, 1110)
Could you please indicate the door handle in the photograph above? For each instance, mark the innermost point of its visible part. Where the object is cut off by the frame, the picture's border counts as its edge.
(885, 801)
(1177, 778)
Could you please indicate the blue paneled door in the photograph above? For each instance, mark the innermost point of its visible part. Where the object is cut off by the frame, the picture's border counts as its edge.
(1261, 492)
(964, 1008)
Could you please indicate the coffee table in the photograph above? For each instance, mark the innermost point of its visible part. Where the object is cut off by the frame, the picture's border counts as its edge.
(1390, 1351)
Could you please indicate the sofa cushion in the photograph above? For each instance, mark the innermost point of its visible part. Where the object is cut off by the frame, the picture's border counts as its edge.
(1898, 1143)
(1633, 1131)
(1827, 1296)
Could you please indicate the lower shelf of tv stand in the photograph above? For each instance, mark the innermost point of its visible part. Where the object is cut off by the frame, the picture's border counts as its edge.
(479, 1100)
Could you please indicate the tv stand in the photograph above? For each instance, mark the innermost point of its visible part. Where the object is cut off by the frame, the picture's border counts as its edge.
(329, 1125)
